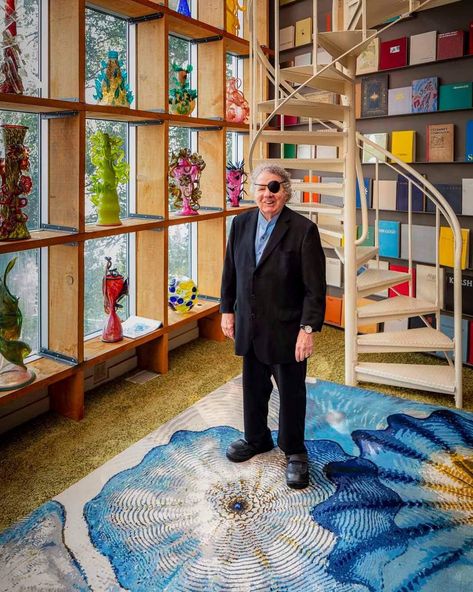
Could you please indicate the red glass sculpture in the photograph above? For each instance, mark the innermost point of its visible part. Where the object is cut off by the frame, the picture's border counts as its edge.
(114, 288)
(15, 184)
(12, 82)
(238, 110)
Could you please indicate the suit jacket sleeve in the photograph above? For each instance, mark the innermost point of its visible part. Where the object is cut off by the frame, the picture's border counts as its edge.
(228, 288)
(313, 276)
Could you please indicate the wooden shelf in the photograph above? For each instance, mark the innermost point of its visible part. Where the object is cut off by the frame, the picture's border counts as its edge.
(174, 219)
(121, 114)
(94, 231)
(127, 8)
(47, 372)
(198, 122)
(430, 162)
(408, 66)
(190, 28)
(96, 350)
(38, 240)
(27, 104)
(201, 309)
(413, 114)
(236, 45)
(230, 211)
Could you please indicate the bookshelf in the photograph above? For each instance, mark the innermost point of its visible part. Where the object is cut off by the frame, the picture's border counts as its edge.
(61, 365)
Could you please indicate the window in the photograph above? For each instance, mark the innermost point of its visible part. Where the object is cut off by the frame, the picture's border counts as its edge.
(180, 250)
(28, 15)
(103, 33)
(116, 247)
(23, 283)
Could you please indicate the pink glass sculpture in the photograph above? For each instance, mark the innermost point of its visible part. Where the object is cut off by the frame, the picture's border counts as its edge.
(12, 82)
(238, 110)
(184, 170)
(114, 288)
(235, 177)
(14, 184)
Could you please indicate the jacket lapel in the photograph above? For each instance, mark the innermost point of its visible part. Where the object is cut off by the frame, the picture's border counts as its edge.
(250, 236)
(279, 231)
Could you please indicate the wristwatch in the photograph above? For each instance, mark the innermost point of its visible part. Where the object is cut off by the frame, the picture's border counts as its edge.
(306, 328)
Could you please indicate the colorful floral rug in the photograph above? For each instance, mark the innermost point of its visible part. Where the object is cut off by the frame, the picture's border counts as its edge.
(389, 507)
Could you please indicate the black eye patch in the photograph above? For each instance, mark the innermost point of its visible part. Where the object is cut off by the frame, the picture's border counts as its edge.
(273, 186)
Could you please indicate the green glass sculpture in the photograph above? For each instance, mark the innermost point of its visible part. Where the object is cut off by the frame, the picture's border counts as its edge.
(111, 169)
(13, 372)
(182, 97)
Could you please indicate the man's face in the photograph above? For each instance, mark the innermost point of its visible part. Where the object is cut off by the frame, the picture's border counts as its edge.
(269, 204)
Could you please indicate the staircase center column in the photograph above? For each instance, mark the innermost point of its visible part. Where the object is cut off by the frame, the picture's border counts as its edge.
(349, 223)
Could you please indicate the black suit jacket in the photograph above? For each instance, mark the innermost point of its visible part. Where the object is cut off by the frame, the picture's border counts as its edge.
(286, 289)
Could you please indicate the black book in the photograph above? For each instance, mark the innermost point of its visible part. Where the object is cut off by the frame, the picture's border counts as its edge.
(467, 291)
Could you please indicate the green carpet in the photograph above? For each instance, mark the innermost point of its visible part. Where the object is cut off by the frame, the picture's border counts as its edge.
(42, 458)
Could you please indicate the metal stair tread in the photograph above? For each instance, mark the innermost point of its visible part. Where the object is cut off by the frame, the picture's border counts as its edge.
(330, 79)
(378, 278)
(325, 188)
(426, 337)
(339, 42)
(314, 164)
(305, 108)
(396, 307)
(440, 378)
(322, 138)
(335, 230)
(379, 11)
(318, 207)
(363, 254)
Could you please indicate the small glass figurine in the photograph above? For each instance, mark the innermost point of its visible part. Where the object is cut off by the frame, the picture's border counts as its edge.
(182, 97)
(185, 169)
(238, 110)
(111, 87)
(183, 8)
(231, 8)
(13, 372)
(182, 294)
(114, 288)
(235, 177)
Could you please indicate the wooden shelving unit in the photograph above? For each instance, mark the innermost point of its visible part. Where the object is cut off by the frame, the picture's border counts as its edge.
(61, 369)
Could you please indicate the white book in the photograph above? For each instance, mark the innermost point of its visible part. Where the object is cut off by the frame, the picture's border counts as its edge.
(384, 194)
(304, 59)
(400, 100)
(426, 283)
(296, 196)
(467, 197)
(305, 151)
(423, 48)
(327, 152)
(333, 272)
(137, 326)
(373, 264)
(370, 154)
(286, 37)
(396, 325)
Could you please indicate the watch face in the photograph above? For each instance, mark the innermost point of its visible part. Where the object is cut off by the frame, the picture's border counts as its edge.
(308, 329)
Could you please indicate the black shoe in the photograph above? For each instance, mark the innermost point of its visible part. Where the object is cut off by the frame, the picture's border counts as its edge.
(297, 472)
(240, 450)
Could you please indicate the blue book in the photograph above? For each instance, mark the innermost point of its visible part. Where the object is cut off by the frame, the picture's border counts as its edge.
(425, 95)
(452, 193)
(469, 141)
(446, 326)
(369, 197)
(402, 194)
(389, 238)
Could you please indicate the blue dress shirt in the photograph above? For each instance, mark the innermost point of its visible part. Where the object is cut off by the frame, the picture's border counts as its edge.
(263, 232)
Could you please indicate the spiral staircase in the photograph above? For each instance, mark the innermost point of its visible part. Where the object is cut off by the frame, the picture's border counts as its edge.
(335, 125)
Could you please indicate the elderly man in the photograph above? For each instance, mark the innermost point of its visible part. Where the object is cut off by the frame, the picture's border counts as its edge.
(272, 301)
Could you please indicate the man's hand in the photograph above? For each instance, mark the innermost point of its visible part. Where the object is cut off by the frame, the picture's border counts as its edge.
(304, 345)
(228, 324)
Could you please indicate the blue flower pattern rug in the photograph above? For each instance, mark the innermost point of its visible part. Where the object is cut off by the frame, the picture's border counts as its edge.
(389, 507)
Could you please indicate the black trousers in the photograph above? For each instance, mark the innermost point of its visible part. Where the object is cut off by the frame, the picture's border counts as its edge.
(257, 387)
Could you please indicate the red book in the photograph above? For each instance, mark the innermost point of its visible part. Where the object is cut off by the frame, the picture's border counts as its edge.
(402, 289)
(470, 45)
(450, 45)
(470, 345)
(288, 120)
(393, 54)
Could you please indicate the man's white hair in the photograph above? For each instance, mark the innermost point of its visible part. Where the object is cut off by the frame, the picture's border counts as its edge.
(284, 177)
